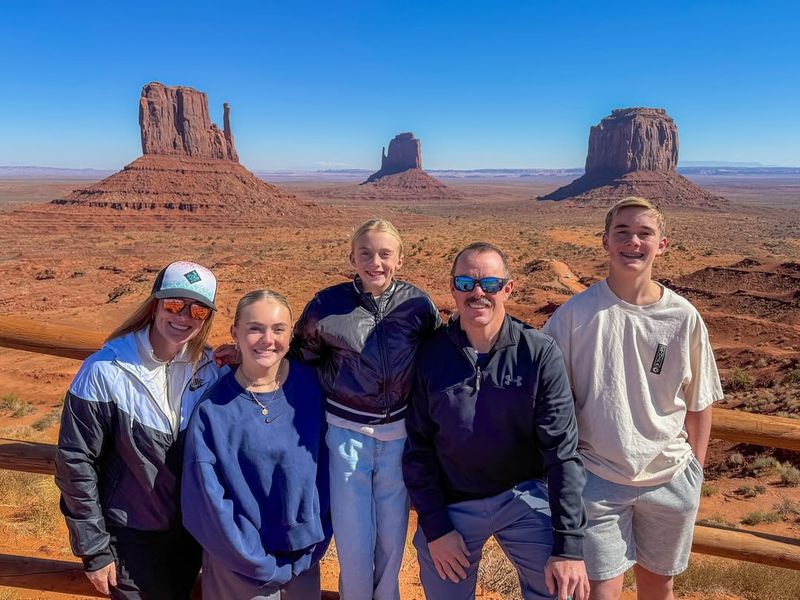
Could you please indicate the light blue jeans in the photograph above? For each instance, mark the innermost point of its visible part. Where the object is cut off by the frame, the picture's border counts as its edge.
(519, 519)
(369, 506)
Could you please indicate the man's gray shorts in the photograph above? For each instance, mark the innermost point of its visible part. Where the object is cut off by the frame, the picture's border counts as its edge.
(651, 526)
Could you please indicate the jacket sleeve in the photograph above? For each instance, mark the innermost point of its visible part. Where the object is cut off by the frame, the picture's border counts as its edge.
(422, 471)
(557, 433)
(307, 345)
(323, 489)
(208, 516)
(86, 425)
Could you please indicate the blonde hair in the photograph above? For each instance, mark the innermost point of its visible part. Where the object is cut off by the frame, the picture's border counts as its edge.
(143, 316)
(380, 225)
(637, 202)
(258, 295)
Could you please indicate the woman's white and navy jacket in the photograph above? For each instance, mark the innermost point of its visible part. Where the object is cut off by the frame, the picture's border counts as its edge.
(119, 456)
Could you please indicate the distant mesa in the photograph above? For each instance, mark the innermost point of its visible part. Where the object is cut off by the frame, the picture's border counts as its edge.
(401, 173)
(634, 152)
(188, 163)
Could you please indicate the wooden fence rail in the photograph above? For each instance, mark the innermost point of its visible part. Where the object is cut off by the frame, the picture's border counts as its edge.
(71, 342)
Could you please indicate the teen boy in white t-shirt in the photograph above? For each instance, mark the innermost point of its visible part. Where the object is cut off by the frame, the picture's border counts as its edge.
(644, 378)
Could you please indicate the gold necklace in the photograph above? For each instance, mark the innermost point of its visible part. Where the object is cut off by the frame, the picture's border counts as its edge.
(247, 384)
(264, 407)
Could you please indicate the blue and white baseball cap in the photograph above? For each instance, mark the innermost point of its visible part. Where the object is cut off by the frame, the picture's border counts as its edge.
(184, 279)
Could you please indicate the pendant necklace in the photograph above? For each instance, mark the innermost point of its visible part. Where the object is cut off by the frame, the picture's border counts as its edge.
(264, 406)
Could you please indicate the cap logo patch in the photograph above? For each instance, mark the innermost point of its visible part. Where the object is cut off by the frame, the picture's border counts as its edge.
(192, 277)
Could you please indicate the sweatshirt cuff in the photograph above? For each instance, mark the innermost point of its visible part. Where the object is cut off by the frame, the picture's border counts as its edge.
(95, 562)
(568, 546)
(435, 524)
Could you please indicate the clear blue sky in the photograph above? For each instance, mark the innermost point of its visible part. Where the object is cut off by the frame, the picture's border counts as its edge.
(326, 84)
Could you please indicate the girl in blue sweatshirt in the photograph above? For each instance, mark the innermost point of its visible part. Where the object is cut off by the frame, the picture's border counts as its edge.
(255, 480)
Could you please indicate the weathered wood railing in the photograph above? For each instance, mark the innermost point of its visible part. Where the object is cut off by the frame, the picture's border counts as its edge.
(67, 576)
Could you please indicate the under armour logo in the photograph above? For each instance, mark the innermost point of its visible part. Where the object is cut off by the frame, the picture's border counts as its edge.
(508, 380)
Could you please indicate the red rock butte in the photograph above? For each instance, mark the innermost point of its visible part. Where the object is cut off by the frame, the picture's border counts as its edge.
(634, 152)
(401, 174)
(188, 163)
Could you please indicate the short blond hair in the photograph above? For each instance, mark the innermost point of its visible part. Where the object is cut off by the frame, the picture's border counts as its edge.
(637, 202)
(381, 225)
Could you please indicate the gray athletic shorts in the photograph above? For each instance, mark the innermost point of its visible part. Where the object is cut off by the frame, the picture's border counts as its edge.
(651, 526)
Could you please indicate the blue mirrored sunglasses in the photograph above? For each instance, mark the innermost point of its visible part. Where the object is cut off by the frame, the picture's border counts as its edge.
(490, 285)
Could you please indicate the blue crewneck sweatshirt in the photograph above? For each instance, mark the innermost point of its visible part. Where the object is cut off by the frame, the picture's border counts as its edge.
(255, 494)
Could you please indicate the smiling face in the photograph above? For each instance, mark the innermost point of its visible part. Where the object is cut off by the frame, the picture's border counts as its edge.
(263, 332)
(376, 256)
(170, 332)
(633, 241)
(477, 309)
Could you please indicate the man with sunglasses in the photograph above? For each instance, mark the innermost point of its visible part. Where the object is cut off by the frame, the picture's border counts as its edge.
(492, 445)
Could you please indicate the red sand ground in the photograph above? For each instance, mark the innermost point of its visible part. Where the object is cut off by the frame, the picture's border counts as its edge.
(89, 267)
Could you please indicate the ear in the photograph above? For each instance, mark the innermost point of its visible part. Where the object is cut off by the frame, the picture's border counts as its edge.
(508, 288)
(399, 262)
(605, 242)
(352, 260)
(663, 243)
(233, 334)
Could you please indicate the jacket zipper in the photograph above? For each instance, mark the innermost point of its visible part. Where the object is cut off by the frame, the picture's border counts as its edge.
(384, 360)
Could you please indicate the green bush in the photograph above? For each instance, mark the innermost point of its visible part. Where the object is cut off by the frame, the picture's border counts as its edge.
(757, 517)
(739, 380)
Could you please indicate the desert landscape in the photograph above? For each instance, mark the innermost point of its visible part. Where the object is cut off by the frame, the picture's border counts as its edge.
(739, 262)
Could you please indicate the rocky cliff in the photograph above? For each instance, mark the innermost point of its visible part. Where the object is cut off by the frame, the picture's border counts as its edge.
(175, 121)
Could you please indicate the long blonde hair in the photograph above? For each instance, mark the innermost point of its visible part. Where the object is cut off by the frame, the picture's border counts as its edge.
(144, 315)
(257, 295)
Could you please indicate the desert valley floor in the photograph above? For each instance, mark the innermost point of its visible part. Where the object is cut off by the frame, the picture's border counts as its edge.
(739, 264)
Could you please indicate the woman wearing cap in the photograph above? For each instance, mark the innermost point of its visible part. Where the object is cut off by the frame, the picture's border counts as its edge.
(120, 444)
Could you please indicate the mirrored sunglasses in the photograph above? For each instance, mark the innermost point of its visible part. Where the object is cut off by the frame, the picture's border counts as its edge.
(490, 285)
(176, 305)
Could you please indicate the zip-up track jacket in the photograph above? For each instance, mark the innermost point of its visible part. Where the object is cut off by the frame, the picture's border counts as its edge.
(474, 433)
(118, 461)
(364, 348)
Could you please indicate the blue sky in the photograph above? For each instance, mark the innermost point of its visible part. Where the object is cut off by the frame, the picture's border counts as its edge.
(325, 84)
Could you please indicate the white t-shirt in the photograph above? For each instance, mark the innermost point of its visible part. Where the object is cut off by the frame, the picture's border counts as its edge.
(635, 371)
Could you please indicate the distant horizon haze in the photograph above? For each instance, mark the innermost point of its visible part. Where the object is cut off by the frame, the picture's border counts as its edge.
(316, 85)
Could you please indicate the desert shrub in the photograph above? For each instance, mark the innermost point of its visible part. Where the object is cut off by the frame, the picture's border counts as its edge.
(787, 508)
(792, 377)
(739, 380)
(16, 408)
(735, 460)
(736, 578)
(761, 466)
(47, 421)
(716, 520)
(790, 476)
(35, 498)
(758, 516)
(749, 492)
(708, 490)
